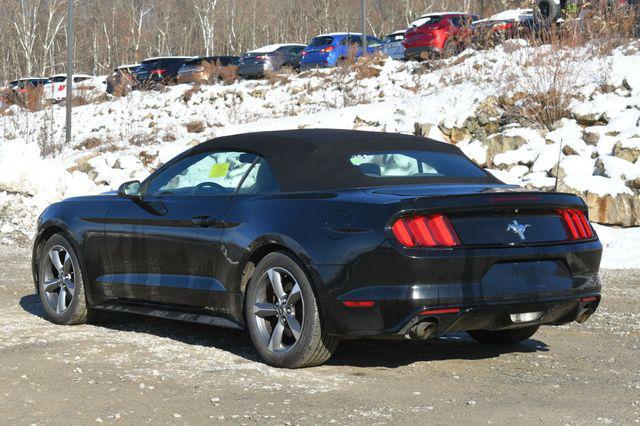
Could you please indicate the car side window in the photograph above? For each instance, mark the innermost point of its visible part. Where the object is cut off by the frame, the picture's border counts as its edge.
(209, 173)
(355, 40)
(297, 49)
(260, 179)
(373, 42)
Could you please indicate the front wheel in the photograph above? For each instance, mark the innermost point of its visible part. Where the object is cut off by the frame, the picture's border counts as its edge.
(504, 337)
(282, 315)
(61, 283)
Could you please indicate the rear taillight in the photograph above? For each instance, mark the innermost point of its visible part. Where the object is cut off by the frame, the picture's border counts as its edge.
(158, 72)
(425, 231)
(576, 224)
(260, 58)
(503, 26)
(327, 49)
(61, 87)
(304, 53)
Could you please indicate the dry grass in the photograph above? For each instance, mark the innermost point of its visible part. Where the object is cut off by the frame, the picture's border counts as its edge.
(218, 73)
(195, 126)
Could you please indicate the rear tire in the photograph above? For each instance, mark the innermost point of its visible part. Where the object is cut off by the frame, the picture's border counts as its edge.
(282, 315)
(504, 337)
(61, 283)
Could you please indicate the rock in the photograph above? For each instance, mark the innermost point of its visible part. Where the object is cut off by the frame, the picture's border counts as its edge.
(629, 153)
(422, 129)
(591, 137)
(633, 183)
(304, 100)
(568, 150)
(460, 135)
(83, 164)
(589, 118)
(620, 210)
(499, 143)
(600, 169)
(361, 122)
(444, 129)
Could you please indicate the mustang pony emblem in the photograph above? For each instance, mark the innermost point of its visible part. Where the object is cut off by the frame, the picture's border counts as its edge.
(518, 229)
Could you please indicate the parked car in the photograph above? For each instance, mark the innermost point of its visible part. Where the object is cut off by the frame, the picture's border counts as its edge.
(437, 33)
(329, 50)
(160, 70)
(392, 45)
(404, 238)
(56, 87)
(270, 58)
(22, 85)
(122, 78)
(203, 69)
(505, 25)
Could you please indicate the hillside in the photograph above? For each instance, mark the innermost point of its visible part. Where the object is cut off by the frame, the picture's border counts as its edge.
(515, 109)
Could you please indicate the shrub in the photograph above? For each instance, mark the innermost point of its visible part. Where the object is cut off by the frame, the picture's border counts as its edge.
(196, 126)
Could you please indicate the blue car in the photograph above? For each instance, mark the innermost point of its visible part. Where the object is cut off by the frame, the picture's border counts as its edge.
(329, 50)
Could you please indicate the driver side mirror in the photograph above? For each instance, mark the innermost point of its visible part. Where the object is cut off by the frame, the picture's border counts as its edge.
(130, 189)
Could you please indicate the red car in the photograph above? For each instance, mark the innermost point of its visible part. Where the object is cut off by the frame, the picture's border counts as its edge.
(440, 33)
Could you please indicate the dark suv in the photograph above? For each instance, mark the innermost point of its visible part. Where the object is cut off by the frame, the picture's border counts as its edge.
(162, 70)
(270, 58)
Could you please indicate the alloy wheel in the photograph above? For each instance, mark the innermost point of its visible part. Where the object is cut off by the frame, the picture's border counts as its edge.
(279, 310)
(59, 279)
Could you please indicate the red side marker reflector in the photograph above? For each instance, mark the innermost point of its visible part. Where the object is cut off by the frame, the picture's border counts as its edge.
(439, 311)
(589, 299)
(358, 303)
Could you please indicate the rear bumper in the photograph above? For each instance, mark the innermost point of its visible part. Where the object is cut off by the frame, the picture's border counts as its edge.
(324, 63)
(416, 52)
(253, 70)
(496, 282)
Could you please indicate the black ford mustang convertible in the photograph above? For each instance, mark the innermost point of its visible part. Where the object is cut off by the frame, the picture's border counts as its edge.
(306, 237)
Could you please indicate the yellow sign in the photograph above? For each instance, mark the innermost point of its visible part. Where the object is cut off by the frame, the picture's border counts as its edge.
(219, 170)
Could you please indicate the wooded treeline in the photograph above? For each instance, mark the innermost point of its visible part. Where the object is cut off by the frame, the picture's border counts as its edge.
(113, 32)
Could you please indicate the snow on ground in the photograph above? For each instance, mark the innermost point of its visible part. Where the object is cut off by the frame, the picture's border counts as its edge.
(621, 247)
(127, 138)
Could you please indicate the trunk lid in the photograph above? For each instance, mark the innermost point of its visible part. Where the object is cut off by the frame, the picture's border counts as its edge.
(492, 215)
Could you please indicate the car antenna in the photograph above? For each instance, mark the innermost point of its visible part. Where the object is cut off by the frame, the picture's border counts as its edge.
(555, 186)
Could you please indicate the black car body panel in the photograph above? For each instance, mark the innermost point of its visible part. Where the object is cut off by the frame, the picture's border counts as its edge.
(189, 257)
(258, 62)
(159, 70)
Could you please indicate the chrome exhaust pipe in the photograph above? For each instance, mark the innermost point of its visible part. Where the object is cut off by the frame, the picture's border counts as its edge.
(423, 330)
(584, 315)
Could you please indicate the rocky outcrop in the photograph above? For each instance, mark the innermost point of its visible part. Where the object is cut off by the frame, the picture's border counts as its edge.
(627, 152)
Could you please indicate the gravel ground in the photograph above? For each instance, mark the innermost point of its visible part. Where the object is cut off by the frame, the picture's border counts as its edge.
(131, 369)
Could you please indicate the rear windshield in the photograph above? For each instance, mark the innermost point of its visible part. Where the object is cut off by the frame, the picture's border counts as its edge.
(429, 20)
(58, 79)
(412, 164)
(393, 37)
(321, 41)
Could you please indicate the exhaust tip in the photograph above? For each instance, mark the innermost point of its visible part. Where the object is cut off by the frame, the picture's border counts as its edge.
(584, 316)
(423, 330)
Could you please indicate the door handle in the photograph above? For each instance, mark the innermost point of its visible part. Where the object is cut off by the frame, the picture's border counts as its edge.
(203, 221)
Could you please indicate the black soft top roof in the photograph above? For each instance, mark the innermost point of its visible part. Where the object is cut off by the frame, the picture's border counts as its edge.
(318, 159)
